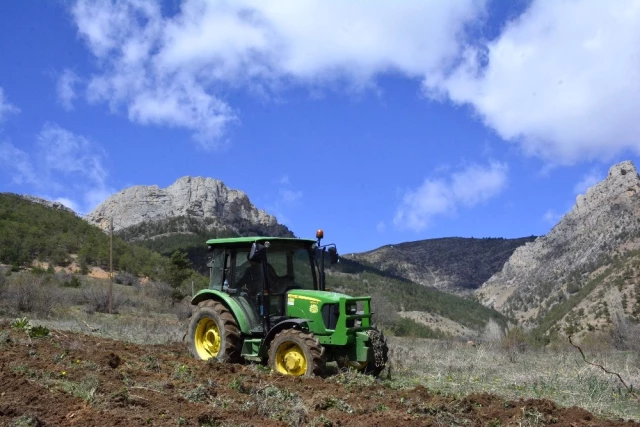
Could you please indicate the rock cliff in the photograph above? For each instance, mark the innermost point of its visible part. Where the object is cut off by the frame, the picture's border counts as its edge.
(603, 223)
(204, 200)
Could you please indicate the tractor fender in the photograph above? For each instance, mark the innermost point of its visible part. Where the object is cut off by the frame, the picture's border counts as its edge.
(285, 324)
(226, 300)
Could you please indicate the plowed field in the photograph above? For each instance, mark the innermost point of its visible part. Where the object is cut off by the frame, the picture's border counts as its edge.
(69, 379)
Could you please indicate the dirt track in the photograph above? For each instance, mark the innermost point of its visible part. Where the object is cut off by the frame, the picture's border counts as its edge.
(80, 380)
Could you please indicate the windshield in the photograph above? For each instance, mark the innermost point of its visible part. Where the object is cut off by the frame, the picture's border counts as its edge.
(290, 268)
(303, 269)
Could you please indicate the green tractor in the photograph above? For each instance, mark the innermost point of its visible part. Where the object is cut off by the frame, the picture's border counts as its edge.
(267, 302)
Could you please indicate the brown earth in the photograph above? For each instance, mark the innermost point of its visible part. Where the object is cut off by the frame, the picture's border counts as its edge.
(69, 379)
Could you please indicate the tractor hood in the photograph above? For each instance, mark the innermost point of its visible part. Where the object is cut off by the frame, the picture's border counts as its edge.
(317, 296)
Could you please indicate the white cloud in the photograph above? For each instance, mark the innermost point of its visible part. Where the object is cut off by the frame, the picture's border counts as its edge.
(18, 161)
(66, 89)
(284, 180)
(288, 197)
(94, 195)
(381, 227)
(64, 165)
(562, 80)
(69, 154)
(552, 217)
(172, 70)
(282, 200)
(590, 179)
(443, 196)
(67, 202)
(5, 107)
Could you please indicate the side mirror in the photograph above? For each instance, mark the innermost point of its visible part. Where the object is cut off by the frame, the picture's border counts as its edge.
(333, 255)
(257, 252)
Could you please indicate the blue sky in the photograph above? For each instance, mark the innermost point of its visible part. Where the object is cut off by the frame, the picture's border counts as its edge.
(380, 122)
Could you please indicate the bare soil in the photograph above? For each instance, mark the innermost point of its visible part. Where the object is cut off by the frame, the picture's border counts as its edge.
(80, 380)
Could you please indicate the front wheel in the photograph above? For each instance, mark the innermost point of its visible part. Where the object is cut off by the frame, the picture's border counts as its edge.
(214, 333)
(296, 353)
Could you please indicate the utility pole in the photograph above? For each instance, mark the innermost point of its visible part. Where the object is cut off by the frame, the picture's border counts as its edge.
(110, 264)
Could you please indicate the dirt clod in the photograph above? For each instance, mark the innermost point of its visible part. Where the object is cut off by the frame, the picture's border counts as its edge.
(113, 360)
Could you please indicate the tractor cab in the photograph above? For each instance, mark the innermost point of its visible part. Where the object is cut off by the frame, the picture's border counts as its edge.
(260, 283)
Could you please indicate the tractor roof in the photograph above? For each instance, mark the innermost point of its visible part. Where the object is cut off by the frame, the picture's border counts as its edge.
(244, 241)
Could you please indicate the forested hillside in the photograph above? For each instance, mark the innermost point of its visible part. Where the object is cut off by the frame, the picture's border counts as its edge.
(184, 233)
(30, 231)
(393, 295)
(452, 264)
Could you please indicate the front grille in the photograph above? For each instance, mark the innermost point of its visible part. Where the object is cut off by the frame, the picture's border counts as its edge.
(330, 314)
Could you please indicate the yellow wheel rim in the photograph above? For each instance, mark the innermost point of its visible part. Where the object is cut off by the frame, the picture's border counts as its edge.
(290, 360)
(207, 339)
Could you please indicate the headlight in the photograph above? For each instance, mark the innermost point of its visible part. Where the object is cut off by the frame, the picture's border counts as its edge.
(352, 308)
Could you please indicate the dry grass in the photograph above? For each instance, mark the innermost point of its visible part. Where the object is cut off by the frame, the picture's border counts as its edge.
(559, 374)
(142, 313)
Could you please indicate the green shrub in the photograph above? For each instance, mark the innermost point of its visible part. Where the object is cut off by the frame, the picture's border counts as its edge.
(408, 328)
(68, 280)
(36, 269)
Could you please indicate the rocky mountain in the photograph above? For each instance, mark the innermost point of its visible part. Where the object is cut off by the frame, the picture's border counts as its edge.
(189, 205)
(586, 268)
(456, 265)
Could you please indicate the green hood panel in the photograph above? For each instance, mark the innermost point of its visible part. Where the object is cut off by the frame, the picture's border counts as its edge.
(317, 296)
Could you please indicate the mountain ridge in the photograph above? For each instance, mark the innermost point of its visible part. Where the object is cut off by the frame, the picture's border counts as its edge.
(603, 224)
(456, 265)
(206, 202)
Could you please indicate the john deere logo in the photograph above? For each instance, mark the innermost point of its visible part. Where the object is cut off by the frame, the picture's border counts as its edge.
(313, 308)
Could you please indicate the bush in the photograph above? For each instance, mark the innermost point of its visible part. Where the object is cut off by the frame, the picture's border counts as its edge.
(514, 342)
(96, 299)
(29, 294)
(84, 268)
(126, 279)
(3, 282)
(160, 291)
(36, 269)
(493, 332)
(68, 280)
(183, 310)
(625, 335)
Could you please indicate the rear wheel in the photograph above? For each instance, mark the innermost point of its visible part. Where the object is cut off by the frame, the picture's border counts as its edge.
(296, 353)
(214, 333)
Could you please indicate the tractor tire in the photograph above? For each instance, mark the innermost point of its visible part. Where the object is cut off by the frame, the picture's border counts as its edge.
(214, 333)
(381, 355)
(296, 353)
